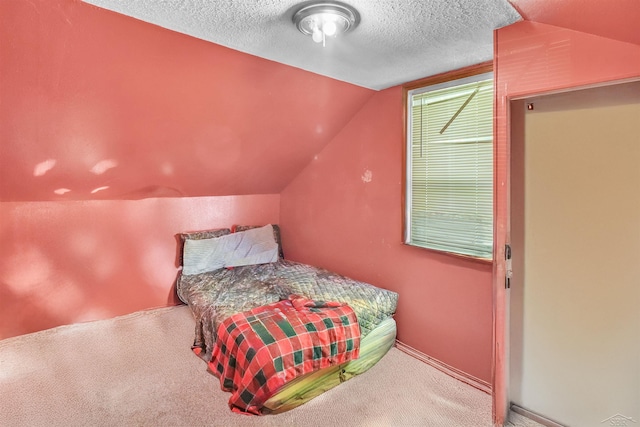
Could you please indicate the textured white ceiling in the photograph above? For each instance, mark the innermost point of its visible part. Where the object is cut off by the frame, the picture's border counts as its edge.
(397, 40)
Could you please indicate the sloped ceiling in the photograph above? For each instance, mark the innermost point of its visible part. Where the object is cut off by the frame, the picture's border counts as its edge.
(96, 105)
(614, 19)
(397, 40)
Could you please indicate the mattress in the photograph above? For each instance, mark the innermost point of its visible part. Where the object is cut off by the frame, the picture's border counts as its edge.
(372, 348)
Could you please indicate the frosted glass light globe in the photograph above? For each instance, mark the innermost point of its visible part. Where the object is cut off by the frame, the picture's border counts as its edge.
(329, 28)
(317, 36)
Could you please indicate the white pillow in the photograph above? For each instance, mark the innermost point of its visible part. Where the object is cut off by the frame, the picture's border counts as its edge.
(254, 246)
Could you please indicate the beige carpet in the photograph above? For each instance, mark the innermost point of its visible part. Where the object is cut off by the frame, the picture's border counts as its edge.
(138, 370)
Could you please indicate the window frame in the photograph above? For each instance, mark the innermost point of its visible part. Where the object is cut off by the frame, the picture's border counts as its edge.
(447, 77)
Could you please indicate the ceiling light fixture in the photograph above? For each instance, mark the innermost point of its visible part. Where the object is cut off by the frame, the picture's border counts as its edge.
(325, 19)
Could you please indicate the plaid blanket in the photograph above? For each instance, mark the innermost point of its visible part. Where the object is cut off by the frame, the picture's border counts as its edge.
(260, 350)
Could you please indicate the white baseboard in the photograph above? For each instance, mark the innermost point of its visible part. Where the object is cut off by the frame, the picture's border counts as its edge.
(441, 366)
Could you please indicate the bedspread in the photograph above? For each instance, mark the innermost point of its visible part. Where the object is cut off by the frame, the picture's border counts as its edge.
(217, 295)
(260, 350)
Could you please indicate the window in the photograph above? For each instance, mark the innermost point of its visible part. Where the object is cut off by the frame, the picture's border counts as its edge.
(449, 155)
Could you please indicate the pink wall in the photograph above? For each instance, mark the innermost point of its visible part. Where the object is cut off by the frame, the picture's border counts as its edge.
(108, 128)
(533, 58)
(344, 213)
(72, 261)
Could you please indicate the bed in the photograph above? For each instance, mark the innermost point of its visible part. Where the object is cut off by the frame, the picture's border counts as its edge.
(249, 279)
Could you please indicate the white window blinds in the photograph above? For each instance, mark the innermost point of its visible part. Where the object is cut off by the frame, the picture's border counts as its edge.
(450, 167)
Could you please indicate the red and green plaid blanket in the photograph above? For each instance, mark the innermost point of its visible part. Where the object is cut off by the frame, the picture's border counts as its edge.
(260, 350)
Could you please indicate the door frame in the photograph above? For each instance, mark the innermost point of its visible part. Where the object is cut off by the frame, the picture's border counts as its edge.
(502, 237)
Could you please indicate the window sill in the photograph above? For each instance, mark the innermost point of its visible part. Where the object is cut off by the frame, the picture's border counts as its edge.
(483, 261)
